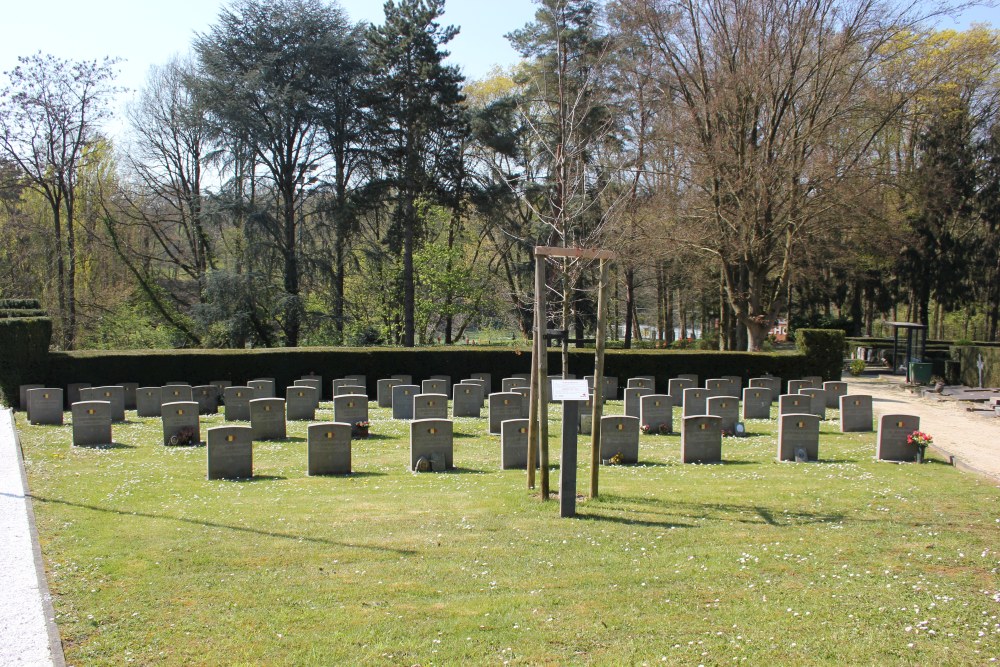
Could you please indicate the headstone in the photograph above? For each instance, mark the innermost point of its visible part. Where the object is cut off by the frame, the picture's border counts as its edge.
(756, 403)
(586, 417)
(403, 379)
(478, 383)
(22, 402)
(430, 406)
(433, 386)
(834, 390)
(640, 383)
(817, 402)
(735, 384)
(129, 388)
(657, 412)
(113, 394)
(514, 444)
(695, 401)
(91, 423)
(815, 381)
(301, 402)
(350, 409)
(262, 388)
(487, 378)
(620, 435)
(688, 376)
(175, 393)
(310, 382)
(148, 401)
(503, 405)
(701, 439)
(383, 391)
(676, 387)
(633, 396)
(610, 386)
(180, 423)
(794, 404)
(230, 452)
(431, 439)
(467, 400)
(220, 386)
(727, 409)
(525, 393)
(207, 398)
(342, 382)
(267, 418)
(891, 443)
(73, 392)
(329, 448)
(237, 400)
(508, 384)
(45, 406)
(794, 386)
(350, 389)
(447, 383)
(798, 432)
(855, 413)
(359, 381)
(402, 400)
(771, 382)
(717, 387)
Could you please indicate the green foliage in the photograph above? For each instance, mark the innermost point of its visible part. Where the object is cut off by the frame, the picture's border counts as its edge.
(129, 326)
(857, 367)
(967, 357)
(825, 350)
(22, 312)
(20, 304)
(24, 354)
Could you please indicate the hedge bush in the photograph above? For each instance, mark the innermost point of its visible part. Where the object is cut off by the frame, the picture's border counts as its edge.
(21, 312)
(24, 354)
(825, 348)
(968, 355)
(20, 304)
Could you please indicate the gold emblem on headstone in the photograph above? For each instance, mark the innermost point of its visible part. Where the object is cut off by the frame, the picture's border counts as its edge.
(230, 438)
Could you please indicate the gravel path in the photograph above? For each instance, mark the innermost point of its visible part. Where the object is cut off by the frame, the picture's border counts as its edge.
(973, 440)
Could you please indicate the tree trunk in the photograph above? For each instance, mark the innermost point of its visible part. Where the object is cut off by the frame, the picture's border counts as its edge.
(629, 305)
(409, 320)
(70, 334)
(292, 322)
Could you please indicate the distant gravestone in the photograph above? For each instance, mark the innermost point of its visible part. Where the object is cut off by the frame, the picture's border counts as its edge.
(350, 390)
(487, 378)
(129, 389)
(230, 452)
(798, 432)
(633, 396)
(176, 393)
(73, 392)
(180, 423)
(503, 405)
(262, 388)
(771, 382)
(447, 383)
(610, 386)
(403, 378)
(301, 402)
(483, 391)
(402, 400)
(735, 384)
(855, 413)
(795, 386)
(207, 398)
(817, 404)
(45, 406)
(689, 376)
(22, 401)
(509, 384)
(525, 393)
(717, 387)
(329, 449)
(91, 423)
(350, 409)
(359, 380)
(237, 400)
(147, 402)
(640, 383)
(657, 412)
(383, 391)
(267, 418)
(433, 386)
(815, 381)
(113, 394)
(695, 401)
(467, 400)
(727, 409)
(586, 416)
(315, 383)
(620, 436)
(335, 386)
(794, 404)
(676, 387)
(834, 390)
(430, 406)
(891, 443)
(220, 386)
(514, 444)
(756, 403)
(701, 439)
(432, 440)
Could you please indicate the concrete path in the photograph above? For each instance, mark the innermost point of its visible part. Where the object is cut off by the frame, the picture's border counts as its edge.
(971, 441)
(28, 634)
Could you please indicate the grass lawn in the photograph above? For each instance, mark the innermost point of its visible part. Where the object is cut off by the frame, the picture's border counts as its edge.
(844, 561)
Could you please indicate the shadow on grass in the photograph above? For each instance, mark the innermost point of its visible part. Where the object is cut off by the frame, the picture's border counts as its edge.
(239, 529)
(349, 475)
(107, 445)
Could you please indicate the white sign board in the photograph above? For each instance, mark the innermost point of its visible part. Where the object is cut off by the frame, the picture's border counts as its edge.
(570, 390)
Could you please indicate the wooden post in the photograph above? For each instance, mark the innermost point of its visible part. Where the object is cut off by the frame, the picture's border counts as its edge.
(536, 352)
(542, 404)
(597, 409)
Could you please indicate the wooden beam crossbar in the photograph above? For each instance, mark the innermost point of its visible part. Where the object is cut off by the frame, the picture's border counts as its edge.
(581, 253)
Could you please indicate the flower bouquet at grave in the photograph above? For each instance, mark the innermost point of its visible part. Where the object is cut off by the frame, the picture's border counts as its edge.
(920, 440)
(184, 436)
(664, 429)
(359, 430)
(646, 429)
(616, 459)
(728, 432)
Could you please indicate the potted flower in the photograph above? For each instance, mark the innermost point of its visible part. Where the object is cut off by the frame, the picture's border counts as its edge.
(359, 430)
(920, 440)
(938, 383)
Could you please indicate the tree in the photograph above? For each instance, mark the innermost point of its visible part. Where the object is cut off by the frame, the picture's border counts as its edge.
(49, 114)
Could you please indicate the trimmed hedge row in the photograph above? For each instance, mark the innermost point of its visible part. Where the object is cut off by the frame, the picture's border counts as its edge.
(825, 348)
(21, 312)
(968, 355)
(20, 304)
(24, 354)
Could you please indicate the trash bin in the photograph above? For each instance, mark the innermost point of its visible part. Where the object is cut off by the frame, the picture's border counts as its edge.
(919, 373)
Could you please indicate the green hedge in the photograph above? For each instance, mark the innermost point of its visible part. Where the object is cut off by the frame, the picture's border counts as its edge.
(967, 356)
(20, 304)
(825, 348)
(24, 354)
(21, 312)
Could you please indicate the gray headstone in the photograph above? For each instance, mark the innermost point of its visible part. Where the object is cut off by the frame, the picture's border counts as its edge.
(22, 401)
(735, 384)
(514, 444)
(676, 387)
(727, 409)
(855, 413)
(642, 382)
(434, 386)
(91, 423)
(148, 401)
(207, 398)
(315, 383)
(329, 449)
(815, 381)
(834, 390)
(818, 401)
(402, 400)
(695, 401)
(359, 381)
(769, 381)
(113, 394)
(176, 393)
(350, 409)
(482, 384)
(335, 385)
(230, 452)
(73, 392)
(610, 387)
(688, 376)
(633, 396)
(794, 386)
(129, 388)
(432, 439)
(794, 404)
(383, 391)
(525, 393)
(267, 418)
(487, 378)
(403, 379)
(717, 387)
(657, 410)
(891, 443)
(300, 403)
(350, 389)
(756, 403)
(430, 406)
(508, 384)
(798, 432)
(220, 385)
(503, 405)
(237, 400)
(180, 423)
(585, 416)
(45, 406)
(263, 388)
(467, 400)
(701, 439)
(620, 435)
(447, 383)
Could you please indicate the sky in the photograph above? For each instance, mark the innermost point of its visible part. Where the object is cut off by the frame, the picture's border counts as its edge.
(149, 32)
